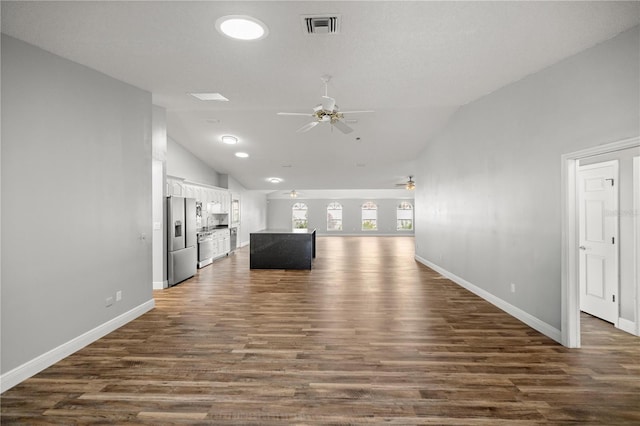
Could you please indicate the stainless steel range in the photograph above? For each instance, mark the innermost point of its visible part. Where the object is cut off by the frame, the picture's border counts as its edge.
(213, 244)
(205, 248)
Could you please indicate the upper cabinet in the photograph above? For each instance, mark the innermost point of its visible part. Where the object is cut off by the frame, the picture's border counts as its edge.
(215, 200)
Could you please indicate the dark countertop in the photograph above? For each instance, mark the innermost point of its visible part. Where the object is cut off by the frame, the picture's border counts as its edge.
(211, 228)
(285, 231)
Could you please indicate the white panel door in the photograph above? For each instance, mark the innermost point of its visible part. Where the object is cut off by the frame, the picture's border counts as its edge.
(598, 254)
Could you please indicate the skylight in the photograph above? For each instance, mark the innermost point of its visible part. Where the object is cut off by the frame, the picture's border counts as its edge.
(209, 96)
(241, 27)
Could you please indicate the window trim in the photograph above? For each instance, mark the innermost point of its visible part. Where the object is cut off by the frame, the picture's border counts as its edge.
(306, 218)
(400, 208)
(362, 219)
(335, 203)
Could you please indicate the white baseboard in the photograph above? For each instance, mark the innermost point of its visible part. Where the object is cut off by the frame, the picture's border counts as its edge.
(159, 285)
(515, 312)
(36, 365)
(628, 326)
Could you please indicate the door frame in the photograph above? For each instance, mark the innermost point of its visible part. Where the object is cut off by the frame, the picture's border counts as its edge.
(636, 235)
(570, 287)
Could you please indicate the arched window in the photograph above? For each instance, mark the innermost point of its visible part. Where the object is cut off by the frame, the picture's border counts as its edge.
(334, 217)
(299, 216)
(369, 216)
(404, 216)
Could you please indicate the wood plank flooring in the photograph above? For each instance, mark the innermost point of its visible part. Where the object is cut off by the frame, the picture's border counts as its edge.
(369, 336)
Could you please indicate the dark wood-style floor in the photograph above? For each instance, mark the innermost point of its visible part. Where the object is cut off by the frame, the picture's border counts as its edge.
(367, 336)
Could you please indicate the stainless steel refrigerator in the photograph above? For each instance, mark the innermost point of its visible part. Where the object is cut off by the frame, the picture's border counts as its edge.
(182, 239)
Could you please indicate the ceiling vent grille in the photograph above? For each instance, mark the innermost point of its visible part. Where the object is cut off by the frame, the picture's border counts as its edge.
(321, 24)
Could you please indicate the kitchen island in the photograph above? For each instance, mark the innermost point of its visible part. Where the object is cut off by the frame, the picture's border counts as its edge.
(282, 249)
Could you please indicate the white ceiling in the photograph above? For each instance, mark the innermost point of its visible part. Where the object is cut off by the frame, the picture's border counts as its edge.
(414, 63)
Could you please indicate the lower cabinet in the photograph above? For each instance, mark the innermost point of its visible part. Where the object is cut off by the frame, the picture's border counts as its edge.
(221, 243)
(226, 241)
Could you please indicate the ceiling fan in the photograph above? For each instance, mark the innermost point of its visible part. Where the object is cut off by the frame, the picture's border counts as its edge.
(326, 112)
(292, 194)
(410, 184)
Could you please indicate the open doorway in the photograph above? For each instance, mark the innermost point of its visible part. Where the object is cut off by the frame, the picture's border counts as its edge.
(628, 291)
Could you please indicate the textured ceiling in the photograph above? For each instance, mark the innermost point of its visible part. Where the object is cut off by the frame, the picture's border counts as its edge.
(414, 63)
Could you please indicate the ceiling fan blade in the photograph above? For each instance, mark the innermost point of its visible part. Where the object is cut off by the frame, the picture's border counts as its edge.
(328, 104)
(307, 127)
(354, 112)
(342, 127)
(306, 114)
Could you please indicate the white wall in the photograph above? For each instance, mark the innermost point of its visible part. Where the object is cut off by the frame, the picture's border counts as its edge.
(253, 208)
(279, 215)
(182, 163)
(159, 176)
(76, 192)
(253, 214)
(488, 203)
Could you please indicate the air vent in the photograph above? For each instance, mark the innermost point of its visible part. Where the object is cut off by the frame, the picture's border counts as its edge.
(321, 24)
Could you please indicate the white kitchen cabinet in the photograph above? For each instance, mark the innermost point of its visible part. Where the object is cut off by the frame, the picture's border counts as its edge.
(226, 242)
(221, 243)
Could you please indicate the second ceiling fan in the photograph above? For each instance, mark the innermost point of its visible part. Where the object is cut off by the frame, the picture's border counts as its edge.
(326, 112)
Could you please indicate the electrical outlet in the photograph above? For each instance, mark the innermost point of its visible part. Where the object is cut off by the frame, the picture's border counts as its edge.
(513, 288)
(108, 302)
(118, 295)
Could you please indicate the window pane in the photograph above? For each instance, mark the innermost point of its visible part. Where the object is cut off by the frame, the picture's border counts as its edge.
(369, 225)
(405, 225)
(299, 216)
(404, 216)
(334, 217)
(369, 216)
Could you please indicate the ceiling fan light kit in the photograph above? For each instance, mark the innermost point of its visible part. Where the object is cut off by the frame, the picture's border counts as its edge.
(409, 185)
(326, 112)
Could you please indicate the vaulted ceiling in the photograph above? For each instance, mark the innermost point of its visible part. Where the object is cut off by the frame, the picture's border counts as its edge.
(413, 63)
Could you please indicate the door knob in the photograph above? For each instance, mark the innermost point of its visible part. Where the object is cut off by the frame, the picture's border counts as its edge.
(582, 248)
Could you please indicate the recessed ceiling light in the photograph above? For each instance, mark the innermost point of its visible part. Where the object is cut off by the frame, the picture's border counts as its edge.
(229, 140)
(274, 180)
(242, 27)
(242, 154)
(209, 96)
